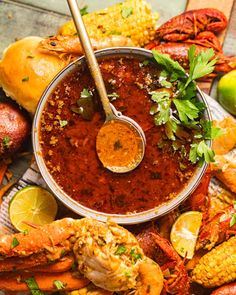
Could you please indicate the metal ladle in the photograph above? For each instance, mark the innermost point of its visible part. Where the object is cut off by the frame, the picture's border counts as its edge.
(119, 124)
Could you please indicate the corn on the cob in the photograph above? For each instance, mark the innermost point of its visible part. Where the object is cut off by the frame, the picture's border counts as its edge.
(132, 18)
(217, 267)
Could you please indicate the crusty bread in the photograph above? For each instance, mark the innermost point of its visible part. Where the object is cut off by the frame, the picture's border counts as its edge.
(25, 71)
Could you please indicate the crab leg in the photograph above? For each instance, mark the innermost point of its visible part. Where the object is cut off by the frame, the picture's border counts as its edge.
(45, 281)
(36, 262)
(37, 240)
(62, 265)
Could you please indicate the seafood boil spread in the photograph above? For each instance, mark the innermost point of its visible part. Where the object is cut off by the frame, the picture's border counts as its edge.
(151, 75)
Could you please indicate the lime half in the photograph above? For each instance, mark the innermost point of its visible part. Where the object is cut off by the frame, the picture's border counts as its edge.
(32, 205)
(184, 233)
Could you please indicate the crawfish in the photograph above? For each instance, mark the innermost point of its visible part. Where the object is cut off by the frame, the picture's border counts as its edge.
(216, 229)
(160, 250)
(190, 23)
(179, 52)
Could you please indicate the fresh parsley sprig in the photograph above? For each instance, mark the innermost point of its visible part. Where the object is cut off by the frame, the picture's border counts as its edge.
(181, 109)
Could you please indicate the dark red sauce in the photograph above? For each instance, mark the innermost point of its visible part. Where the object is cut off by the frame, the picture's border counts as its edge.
(68, 141)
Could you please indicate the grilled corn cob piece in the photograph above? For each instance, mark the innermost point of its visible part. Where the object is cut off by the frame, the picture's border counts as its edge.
(217, 267)
(132, 18)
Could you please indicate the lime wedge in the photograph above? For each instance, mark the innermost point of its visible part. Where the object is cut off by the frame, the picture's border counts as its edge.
(32, 205)
(184, 233)
(227, 92)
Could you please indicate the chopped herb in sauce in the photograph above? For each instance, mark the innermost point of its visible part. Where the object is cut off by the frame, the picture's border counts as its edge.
(14, 243)
(84, 10)
(113, 96)
(182, 166)
(59, 284)
(120, 250)
(85, 105)
(33, 286)
(30, 56)
(25, 79)
(85, 93)
(6, 141)
(144, 63)
(63, 123)
(126, 12)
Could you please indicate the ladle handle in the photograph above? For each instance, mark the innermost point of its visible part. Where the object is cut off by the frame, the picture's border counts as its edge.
(90, 56)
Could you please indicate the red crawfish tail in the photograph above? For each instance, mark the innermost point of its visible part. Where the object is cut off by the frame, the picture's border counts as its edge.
(225, 64)
(179, 52)
(217, 229)
(206, 39)
(190, 23)
(176, 280)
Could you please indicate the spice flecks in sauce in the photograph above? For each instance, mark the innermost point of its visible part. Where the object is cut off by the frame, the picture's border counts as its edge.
(82, 176)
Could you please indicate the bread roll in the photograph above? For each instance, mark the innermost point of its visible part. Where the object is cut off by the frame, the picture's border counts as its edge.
(25, 71)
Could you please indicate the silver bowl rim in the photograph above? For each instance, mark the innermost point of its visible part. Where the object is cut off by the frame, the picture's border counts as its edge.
(133, 218)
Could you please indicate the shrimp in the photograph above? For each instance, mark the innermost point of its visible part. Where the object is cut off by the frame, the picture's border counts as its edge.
(150, 278)
(71, 44)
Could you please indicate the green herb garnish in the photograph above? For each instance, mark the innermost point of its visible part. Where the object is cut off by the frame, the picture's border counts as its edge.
(233, 220)
(63, 123)
(25, 79)
(25, 232)
(84, 10)
(181, 110)
(120, 250)
(126, 12)
(201, 151)
(14, 243)
(85, 93)
(135, 256)
(85, 105)
(59, 284)
(33, 286)
(210, 132)
(127, 274)
(6, 141)
(113, 96)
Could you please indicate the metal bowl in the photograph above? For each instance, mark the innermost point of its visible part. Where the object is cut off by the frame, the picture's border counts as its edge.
(67, 200)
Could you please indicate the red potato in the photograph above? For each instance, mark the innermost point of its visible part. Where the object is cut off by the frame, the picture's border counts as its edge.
(14, 129)
(229, 289)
